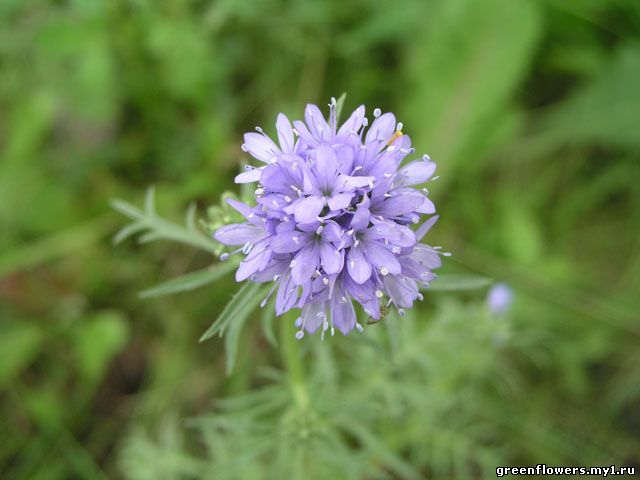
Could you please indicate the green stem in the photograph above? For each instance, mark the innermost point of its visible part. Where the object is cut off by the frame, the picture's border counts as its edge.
(292, 358)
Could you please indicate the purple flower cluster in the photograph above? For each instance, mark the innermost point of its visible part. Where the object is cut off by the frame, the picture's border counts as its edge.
(333, 217)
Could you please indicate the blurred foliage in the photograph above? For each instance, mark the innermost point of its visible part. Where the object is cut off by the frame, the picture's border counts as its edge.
(530, 108)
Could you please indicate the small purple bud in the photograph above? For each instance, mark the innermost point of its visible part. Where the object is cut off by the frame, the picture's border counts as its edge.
(499, 298)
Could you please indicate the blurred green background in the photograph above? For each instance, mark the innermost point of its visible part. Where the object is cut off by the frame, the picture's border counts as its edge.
(531, 110)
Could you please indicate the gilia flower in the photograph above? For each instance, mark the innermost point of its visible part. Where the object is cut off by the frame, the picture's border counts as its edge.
(333, 219)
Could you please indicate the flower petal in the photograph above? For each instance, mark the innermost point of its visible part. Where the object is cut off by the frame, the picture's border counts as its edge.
(305, 134)
(331, 259)
(260, 146)
(255, 261)
(425, 227)
(354, 122)
(289, 241)
(399, 205)
(318, 126)
(242, 208)
(382, 258)
(285, 133)
(402, 290)
(249, 176)
(358, 266)
(238, 233)
(425, 255)
(326, 167)
(339, 201)
(305, 263)
(382, 129)
(313, 315)
(343, 316)
(415, 173)
(347, 183)
(307, 210)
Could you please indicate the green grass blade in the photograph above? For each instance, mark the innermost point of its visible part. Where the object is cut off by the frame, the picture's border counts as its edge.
(455, 282)
(190, 281)
(242, 303)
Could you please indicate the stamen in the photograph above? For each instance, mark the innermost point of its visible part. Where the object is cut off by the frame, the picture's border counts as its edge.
(299, 334)
(395, 136)
(359, 327)
(377, 112)
(379, 293)
(384, 271)
(224, 256)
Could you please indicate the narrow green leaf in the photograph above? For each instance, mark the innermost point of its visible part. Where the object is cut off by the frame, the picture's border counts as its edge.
(126, 209)
(455, 282)
(340, 106)
(190, 281)
(190, 218)
(242, 303)
(232, 336)
(127, 231)
(268, 316)
(150, 201)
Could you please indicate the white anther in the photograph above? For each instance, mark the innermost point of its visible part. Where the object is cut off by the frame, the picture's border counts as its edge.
(325, 280)
(224, 256)
(359, 327)
(379, 293)
(377, 112)
(244, 147)
(400, 126)
(287, 198)
(259, 191)
(258, 129)
(299, 334)
(384, 271)
(396, 250)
